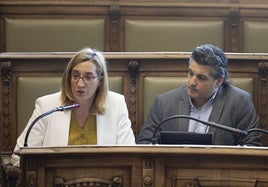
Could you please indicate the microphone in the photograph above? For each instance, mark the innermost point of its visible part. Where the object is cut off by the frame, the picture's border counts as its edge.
(208, 123)
(61, 108)
(68, 107)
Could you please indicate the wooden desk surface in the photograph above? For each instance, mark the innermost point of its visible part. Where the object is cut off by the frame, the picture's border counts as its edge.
(148, 149)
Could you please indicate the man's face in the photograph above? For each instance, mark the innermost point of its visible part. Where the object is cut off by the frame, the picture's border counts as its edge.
(201, 85)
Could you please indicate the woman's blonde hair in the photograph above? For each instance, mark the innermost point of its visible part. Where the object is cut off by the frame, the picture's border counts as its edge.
(87, 54)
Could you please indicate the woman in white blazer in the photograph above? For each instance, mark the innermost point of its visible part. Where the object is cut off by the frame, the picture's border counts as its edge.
(101, 119)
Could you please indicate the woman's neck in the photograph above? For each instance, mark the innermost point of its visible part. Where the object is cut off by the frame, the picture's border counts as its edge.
(82, 113)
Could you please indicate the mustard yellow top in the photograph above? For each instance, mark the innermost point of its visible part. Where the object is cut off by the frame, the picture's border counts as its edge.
(85, 135)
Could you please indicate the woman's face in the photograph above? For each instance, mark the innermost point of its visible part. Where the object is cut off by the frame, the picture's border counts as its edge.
(84, 81)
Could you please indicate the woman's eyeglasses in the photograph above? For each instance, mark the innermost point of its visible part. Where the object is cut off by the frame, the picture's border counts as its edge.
(76, 76)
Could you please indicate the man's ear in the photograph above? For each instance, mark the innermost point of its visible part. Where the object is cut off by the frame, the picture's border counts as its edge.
(219, 82)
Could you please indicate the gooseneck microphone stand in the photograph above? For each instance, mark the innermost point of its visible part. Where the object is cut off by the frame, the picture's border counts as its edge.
(239, 132)
(61, 108)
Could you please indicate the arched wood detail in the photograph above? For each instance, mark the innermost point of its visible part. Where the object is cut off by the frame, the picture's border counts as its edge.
(92, 182)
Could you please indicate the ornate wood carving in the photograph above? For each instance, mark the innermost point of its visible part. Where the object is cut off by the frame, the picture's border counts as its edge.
(234, 27)
(31, 179)
(148, 172)
(263, 72)
(5, 118)
(92, 182)
(114, 33)
(133, 68)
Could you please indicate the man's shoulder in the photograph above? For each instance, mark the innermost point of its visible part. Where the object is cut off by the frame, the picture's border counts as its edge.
(177, 91)
(234, 90)
(234, 93)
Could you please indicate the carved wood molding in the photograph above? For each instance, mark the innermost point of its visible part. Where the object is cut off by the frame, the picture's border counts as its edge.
(114, 33)
(148, 172)
(234, 26)
(31, 179)
(6, 116)
(92, 182)
(263, 71)
(133, 68)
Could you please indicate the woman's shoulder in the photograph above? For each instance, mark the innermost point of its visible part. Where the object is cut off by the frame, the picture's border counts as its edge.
(115, 98)
(49, 97)
(49, 101)
(114, 95)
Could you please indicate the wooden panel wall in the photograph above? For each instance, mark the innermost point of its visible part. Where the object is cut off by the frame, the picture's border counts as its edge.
(243, 24)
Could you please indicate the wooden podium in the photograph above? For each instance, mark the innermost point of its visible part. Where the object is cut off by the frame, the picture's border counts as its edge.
(145, 166)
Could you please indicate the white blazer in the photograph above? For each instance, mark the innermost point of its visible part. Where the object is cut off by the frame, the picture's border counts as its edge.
(114, 127)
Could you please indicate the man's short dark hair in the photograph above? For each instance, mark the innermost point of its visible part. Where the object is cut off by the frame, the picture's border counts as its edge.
(213, 56)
